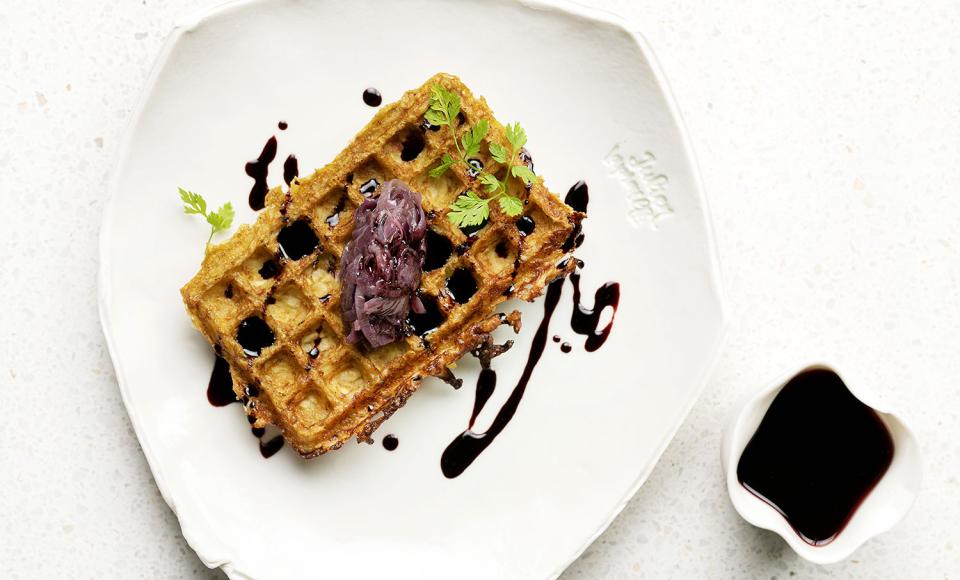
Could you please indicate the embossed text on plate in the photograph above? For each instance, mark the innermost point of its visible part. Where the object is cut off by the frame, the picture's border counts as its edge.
(644, 187)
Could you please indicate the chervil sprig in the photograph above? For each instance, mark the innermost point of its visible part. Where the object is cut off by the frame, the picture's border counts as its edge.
(469, 209)
(220, 220)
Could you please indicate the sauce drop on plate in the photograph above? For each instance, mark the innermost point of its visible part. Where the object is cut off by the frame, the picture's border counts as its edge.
(390, 442)
(372, 97)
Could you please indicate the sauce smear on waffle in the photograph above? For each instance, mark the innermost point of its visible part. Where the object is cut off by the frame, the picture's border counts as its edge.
(439, 249)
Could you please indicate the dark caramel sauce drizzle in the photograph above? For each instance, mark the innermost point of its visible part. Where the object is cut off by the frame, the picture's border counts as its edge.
(220, 388)
(466, 447)
(291, 169)
(257, 169)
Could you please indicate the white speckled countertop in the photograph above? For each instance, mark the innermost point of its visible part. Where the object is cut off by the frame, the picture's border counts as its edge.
(828, 139)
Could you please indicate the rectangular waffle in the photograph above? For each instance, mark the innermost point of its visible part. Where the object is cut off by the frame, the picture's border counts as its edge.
(318, 390)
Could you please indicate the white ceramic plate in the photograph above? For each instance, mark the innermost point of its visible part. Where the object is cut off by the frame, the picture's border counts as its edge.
(590, 427)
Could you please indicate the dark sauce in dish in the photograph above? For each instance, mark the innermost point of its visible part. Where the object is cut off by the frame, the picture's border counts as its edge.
(816, 455)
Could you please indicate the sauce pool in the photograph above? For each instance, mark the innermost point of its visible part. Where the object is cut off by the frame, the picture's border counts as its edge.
(816, 455)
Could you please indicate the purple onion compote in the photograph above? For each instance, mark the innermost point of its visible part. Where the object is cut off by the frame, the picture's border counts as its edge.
(381, 266)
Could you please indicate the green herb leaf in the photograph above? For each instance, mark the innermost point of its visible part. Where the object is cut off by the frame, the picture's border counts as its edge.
(434, 117)
(444, 106)
(222, 218)
(524, 173)
(450, 102)
(219, 220)
(194, 202)
(453, 107)
(498, 152)
(473, 138)
(510, 205)
(516, 136)
(439, 98)
(470, 148)
(437, 94)
(469, 209)
(444, 165)
(489, 182)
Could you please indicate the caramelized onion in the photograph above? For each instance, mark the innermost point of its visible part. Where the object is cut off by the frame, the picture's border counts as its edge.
(381, 266)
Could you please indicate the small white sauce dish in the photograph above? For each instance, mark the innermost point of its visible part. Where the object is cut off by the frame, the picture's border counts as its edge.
(883, 507)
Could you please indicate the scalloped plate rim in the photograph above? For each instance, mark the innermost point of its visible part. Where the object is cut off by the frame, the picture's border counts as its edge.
(201, 545)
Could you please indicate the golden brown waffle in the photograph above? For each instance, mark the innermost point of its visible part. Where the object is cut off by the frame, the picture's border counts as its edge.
(318, 390)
